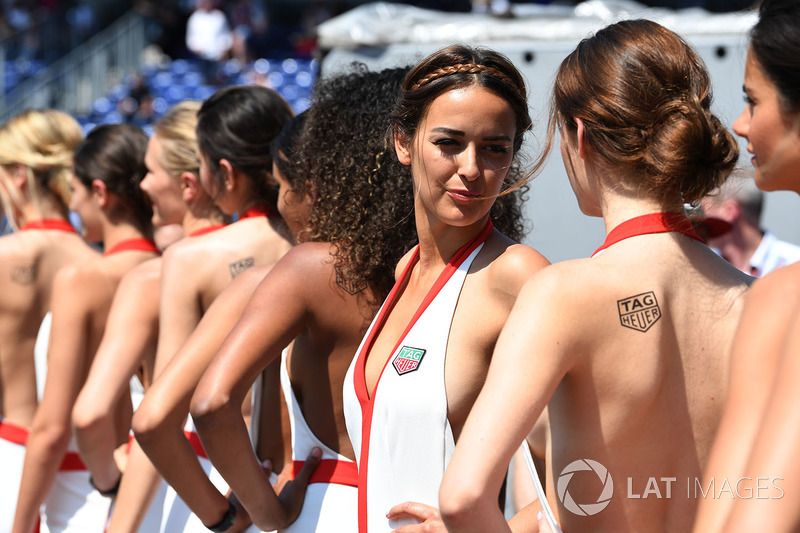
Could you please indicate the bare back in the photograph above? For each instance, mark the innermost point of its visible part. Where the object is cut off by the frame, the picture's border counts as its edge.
(196, 270)
(30, 260)
(338, 317)
(648, 325)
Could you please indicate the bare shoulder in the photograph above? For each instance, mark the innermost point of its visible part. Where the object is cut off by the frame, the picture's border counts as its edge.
(311, 262)
(144, 274)
(778, 285)
(509, 264)
(403, 263)
(80, 285)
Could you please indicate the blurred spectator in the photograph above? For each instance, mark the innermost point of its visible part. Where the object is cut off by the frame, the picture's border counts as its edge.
(209, 37)
(746, 245)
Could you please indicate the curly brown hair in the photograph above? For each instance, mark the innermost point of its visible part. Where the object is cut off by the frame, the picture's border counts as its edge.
(363, 195)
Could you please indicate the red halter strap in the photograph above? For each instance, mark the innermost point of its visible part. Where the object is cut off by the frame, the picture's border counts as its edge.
(49, 223)
(647, 224)
(207, 229)
(139, 244)
(257, 212)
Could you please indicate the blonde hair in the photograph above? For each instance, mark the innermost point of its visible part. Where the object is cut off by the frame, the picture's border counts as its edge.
(43, 141)
(177, 133)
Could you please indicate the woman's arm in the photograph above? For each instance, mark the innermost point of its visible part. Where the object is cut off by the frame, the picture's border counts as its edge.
(130, 335)
(755, 358)
(770, 503)
(75, 295)
(532, 355)
(277, 312)
(158, 423)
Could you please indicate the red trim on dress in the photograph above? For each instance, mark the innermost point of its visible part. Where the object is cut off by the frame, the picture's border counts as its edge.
(197, 446)
(207, 229)
(72, 462)
(367, 403)
(648, 224)
(258, 212)
(139, 244)
(49, 223)
(331, 471)
(13, 433)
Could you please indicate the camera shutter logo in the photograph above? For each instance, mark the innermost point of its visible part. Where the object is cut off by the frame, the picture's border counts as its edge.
(585, 509)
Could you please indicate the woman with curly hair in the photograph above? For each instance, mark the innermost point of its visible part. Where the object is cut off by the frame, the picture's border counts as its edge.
(459, 124)
(349, 201)
(108, 166)
(36, 149)
(628, 350)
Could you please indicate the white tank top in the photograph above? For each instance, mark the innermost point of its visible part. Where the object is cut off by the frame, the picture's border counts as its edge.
(401, 435)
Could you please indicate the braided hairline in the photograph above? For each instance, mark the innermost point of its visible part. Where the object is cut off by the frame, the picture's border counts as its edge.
(471, 68)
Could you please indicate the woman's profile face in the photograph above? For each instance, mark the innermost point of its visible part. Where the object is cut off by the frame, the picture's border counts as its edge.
(83, 203)
(293, 206)
(163, 189)
(772, 135)
(461, 154)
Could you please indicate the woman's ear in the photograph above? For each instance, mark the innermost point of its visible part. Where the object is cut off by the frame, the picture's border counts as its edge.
(582, 145)
(19, 175)
(311, 194)
(100, 192)
(228, 174)
(189, 186)
(401, 143)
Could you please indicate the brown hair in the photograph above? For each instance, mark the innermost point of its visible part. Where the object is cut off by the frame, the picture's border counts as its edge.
(644, 96)
(460, 66)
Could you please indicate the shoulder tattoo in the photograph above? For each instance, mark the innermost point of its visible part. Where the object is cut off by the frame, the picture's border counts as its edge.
(347, 285)
(24, 274)
(639, 312)
(237, 267)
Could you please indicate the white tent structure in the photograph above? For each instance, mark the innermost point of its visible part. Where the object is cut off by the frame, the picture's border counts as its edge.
(537, 38)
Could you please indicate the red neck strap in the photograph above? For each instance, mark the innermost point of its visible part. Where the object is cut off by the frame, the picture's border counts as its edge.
(49, 223)
(207, 229)
(139, 244)
(257, 212)
(647, 224)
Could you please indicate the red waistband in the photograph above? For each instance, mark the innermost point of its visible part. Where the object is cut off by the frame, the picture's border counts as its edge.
(331, 471)
(72, 462)
(197, 446)
(13, 433)
(19, 435)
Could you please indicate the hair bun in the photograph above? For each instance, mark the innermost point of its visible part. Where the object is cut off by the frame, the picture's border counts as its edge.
(688, 149)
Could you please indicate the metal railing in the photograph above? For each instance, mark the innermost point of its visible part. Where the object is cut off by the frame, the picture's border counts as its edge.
(73, 82)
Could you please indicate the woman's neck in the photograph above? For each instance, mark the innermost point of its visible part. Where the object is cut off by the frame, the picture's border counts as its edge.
(439, 242)
(114, 233)
(46, 211)
(617, 208)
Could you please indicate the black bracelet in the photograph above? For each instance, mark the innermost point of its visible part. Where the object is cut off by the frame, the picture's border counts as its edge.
(227, 520)
(110, 493)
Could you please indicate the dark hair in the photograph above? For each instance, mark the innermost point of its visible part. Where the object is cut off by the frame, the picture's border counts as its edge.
(644, 96)
(364, 197)
(284, 149)
(775, 42)
(238, 124)
(114, 154)
(460, 66)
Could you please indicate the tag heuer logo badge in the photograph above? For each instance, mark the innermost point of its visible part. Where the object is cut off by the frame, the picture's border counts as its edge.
(407, 360)
(639, 312)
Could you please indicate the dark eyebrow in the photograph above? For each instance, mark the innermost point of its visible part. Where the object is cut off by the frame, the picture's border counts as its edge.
(459, 133)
